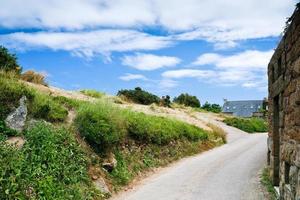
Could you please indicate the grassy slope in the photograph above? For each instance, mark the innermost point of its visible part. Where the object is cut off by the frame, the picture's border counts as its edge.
(41, 169)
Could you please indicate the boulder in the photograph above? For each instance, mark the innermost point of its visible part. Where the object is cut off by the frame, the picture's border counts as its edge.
(16, 119)
(18, 142)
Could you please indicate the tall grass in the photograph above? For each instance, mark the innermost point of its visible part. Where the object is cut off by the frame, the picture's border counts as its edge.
(104, 124)
(250, 125)
(92, 93)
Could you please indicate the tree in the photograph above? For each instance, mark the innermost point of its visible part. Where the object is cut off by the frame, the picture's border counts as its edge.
(165, 101)
(8, 61)
(139, 96)
(216, 108)
(187, 100)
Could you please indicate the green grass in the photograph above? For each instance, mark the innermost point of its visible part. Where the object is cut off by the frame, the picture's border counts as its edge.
(51, 165)
(107, 125)
(250, 125)
(265, 180)
(41, 106)
(92, 93)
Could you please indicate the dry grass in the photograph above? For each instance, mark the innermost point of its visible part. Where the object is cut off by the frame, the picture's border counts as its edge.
(34, 77)
(218, 132)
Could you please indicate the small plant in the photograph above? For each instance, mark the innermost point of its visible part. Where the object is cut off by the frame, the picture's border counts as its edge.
(5, 131)
(187, 100)
(139, 96)
(250, 125)
(265, 180)
(34, 77)
(92, 93)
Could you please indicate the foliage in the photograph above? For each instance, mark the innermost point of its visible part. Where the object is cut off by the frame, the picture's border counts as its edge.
(51, 165)
(187, 100)
(216, 108)
(165, 101)
(4, 130)
(139, 96)
(8, 61)
(250, 125)
(92, 93)
(44, 107)
(218, 132)
(102, 124)
(265, 180)
(34, 77)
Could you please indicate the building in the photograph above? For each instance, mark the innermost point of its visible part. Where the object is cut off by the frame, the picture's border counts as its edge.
(284, 112)
(244, 108)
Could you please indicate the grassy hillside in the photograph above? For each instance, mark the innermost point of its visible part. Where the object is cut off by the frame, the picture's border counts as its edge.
(61, 158)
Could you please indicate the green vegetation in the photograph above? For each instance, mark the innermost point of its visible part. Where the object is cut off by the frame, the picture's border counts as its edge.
(8, 61)
(34, 77)
(138, 96)
(51, 165)
(165, 101)
(216, 108)
(187, 100)
(40, 105)
(106, 125)
(92, 93)
(265, 180)
(250, 125)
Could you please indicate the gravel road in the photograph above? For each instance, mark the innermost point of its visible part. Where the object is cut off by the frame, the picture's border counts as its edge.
(227, 172)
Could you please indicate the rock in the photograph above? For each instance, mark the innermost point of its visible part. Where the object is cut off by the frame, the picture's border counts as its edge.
(101, 186)
(16, 141)
(16, 119)
(110, 163)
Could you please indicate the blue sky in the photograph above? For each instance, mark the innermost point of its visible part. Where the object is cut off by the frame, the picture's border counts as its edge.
(211, 49)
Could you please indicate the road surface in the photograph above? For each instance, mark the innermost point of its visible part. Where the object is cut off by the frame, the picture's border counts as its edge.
(227, 172)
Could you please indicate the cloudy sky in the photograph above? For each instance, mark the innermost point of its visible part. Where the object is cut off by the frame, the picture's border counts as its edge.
(212, 49)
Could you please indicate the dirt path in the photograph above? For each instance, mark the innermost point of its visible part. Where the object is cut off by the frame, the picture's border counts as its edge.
(227, 172)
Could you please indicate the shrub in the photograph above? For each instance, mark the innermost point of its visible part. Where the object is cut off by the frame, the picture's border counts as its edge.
(92, 93)
(34, 77)
(250, 125)
(216, 108)
(101, 124)
(187, 100)
(139, 96)
(165, 101)
(51, 165)
(8, 61)
(4, 130)
(44, 107)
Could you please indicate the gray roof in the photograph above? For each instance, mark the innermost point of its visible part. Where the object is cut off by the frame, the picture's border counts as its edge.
(242, 108)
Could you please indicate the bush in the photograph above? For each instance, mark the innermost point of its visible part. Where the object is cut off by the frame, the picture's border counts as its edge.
(51, 165)
(187, 100)
(34, 77)
(101, 124)
(92, 93)
(8, 61)
(139, 96)
(216, 108)
(5, 131)
(250, 125)
(165, 101)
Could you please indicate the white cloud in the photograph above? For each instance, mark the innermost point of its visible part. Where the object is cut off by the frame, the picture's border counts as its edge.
(167, 83)
(188, 73)
(149, 61)
(217, 21)
(246, 69)
(86, 43)
(130, 77)
(251, 60)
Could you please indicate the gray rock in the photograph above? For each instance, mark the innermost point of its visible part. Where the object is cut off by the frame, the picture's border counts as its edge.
(16, 119)
(101, 186)
(110, 163)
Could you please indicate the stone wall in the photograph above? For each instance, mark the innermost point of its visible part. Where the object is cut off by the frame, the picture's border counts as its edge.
(284, 112)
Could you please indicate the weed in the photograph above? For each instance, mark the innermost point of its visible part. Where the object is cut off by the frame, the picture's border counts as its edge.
(265, 180)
